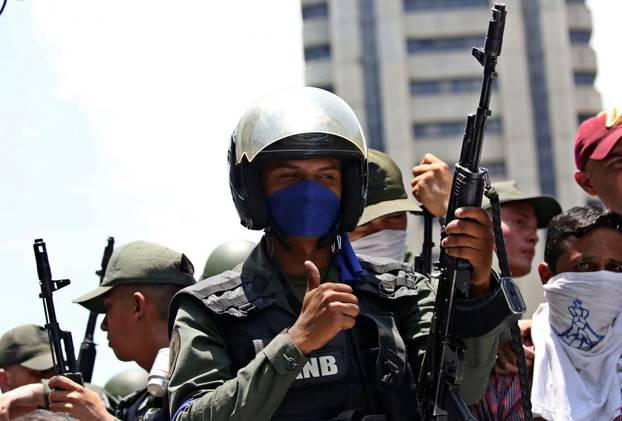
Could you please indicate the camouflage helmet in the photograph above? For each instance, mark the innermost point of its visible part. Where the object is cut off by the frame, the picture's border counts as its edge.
(299, 123)
(126, 382)
(227, 256)
(385, 190)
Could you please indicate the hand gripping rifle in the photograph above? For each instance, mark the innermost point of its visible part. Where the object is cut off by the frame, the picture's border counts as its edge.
(60, 340)
(87, 354)
(442, 370)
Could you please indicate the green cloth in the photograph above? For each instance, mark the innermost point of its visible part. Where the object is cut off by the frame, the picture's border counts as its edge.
(201, 368)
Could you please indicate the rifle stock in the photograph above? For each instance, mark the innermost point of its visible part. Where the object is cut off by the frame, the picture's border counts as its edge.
(61, 341)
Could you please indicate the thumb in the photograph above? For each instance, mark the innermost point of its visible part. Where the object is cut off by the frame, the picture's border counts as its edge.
(313, 275)
(429, 158)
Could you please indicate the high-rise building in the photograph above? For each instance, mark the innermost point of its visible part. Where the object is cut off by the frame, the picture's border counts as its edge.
(406, 68)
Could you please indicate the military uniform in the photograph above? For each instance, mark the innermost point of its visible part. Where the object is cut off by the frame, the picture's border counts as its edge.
(238, 330)
(141, 262)
(232, 356)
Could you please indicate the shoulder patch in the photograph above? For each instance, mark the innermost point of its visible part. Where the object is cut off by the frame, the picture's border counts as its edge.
(175, 346)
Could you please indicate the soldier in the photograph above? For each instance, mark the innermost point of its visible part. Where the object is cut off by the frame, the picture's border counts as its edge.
(226, 257)
(521, 217)
(140, 282)
(26, 364)
(125, 383)
(305, 330)
(381, 230)
(25, 357)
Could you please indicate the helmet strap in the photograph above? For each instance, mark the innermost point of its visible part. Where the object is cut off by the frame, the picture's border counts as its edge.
(332, 238)
(272, 230)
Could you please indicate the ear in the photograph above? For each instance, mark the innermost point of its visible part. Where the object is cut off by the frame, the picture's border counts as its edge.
(583, 179)
(545, 272)
(139, 305)
(4, 381)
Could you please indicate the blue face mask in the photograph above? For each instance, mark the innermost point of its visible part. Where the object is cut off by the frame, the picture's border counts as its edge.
(308, 209)
(305, 209)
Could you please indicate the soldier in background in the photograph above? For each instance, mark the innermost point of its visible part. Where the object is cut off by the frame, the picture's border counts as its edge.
(521, 217)
(227, 256)
(141, 279)
(25, 357)
(26, 364)
(126, 383)
(381, 230)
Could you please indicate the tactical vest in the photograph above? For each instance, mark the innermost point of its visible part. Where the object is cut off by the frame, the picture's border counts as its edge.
(141, 406)
(361, 374)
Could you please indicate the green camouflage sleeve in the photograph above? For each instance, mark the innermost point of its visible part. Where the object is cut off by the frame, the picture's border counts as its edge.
(480, 352)
(202, 385)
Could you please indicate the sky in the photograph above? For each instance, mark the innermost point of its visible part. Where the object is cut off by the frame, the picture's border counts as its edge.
(116, 118)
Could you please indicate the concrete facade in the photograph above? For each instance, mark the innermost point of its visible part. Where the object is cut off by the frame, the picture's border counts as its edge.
(426, 82)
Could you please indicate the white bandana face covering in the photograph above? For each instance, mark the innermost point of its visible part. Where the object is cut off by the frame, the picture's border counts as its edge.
(578, 342)
(583, 307)
(386, 243)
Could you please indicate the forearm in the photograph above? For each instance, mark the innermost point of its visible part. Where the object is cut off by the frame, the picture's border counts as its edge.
(21, 400)
(255, 392)
(479, 360)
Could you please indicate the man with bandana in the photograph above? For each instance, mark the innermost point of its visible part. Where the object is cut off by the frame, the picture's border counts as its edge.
(306, 330)
(381, 230)
(577, 333)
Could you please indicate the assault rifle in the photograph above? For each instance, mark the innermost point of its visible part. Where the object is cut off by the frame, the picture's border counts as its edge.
(86, 357)
(442, 370)
(61, 342)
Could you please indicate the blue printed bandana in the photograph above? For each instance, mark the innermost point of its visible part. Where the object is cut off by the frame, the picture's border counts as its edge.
(305, 209)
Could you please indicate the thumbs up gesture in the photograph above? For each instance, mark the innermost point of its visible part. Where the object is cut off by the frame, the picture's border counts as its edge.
(327, 309)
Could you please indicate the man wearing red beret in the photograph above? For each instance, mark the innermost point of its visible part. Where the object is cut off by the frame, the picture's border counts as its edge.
(598, 156)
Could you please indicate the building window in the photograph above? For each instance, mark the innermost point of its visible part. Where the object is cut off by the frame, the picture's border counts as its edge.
(410, 5)
(425, 87)
(584, 78)
(312, 11)
(317, 53)
(427, 45)
(496, 169)
(579, 37)
(581, 117)
(443, 86)
(451, 129)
